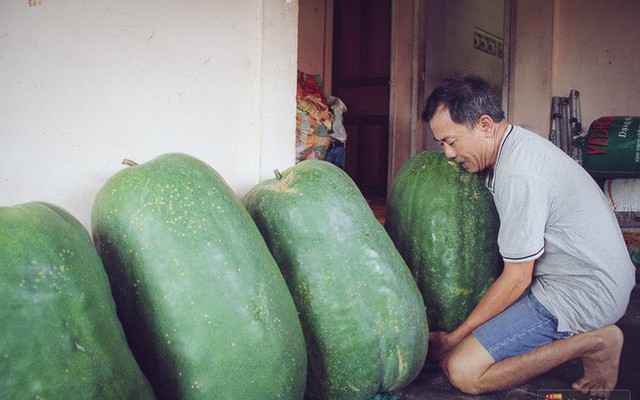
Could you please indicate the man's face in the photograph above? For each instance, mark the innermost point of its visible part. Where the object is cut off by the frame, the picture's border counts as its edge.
(466, 146)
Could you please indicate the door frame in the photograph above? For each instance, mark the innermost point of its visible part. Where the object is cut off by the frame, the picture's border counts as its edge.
(406, 94)
(408, 59)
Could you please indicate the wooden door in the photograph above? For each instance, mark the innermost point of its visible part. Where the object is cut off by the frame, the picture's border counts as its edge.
(361, 79)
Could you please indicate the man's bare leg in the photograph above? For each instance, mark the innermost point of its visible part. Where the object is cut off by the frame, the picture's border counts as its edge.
(471, 369)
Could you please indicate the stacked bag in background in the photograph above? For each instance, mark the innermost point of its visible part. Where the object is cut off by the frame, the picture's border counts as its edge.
(611, 154)
(611, 148)
(624, 195)
(320, 134)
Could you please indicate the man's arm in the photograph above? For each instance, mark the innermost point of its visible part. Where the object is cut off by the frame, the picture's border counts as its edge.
(509, 286)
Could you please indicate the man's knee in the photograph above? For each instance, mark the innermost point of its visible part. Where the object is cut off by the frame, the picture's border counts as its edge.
(460, 376)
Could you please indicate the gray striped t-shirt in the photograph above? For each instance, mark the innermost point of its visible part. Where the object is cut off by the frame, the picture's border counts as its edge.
(552, 211)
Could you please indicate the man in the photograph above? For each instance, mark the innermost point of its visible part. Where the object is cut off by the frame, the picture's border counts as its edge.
(567, 276)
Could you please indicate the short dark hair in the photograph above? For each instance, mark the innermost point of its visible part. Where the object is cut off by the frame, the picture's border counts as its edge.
(467, 98)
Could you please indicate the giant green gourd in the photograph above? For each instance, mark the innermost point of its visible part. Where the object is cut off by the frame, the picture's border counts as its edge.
(444, 223)
(203, 303)
(60, 337)
(362, 314)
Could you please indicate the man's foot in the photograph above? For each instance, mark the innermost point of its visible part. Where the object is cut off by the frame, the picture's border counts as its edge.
(602, 363)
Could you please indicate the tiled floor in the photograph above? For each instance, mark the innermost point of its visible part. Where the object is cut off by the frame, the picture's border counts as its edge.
(433, 384)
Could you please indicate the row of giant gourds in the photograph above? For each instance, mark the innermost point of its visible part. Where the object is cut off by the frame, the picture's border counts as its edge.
(298, 292)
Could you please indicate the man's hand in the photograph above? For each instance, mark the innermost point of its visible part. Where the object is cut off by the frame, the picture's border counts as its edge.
(440, 343)
(509, 286)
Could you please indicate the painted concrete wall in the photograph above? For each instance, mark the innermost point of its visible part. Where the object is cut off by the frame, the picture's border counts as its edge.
(530, 65)
(315, 39)
(450, 38)
(587, 45)
(86, 84)
(596, 51)
(450, 48)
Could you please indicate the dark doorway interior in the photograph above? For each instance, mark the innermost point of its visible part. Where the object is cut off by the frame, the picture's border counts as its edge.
(361, 78)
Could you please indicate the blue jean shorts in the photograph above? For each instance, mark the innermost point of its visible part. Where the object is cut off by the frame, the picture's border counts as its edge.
(522, 327)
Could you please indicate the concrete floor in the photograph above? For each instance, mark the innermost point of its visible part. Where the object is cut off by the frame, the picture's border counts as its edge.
(432, 384)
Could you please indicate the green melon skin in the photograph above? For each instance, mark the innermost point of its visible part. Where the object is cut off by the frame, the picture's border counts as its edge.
(362, 314)
(60, 337)
(203, 303)
(444, 223)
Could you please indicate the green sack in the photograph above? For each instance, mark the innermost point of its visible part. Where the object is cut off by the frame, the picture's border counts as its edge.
(611, 148)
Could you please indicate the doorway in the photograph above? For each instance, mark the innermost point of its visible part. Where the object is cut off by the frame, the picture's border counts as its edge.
(382, 57)
(467, 37)
(361, 79)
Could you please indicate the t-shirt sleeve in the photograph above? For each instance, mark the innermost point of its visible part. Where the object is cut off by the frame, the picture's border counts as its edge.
(523, 206)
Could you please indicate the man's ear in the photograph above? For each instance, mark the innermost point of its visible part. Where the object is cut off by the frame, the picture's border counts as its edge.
(486, 125)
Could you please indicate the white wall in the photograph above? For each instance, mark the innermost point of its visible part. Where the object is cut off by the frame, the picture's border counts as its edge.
(596, 52)
(450, 28)
(531, 65)
(85, 84)
(588, 45)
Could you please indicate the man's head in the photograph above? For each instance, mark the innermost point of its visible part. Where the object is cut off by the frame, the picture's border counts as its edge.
(466, 98)
(465, 117)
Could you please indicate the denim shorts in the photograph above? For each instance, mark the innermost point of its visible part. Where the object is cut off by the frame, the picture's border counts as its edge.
(524, 326)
